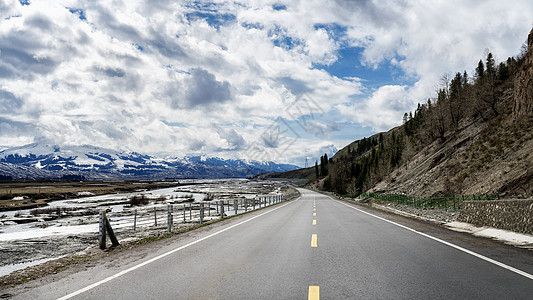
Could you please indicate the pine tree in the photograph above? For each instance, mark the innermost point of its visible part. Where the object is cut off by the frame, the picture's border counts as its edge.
(480, 71)
(490, 67)
(316, 169)
(503, 72)
(322, 167)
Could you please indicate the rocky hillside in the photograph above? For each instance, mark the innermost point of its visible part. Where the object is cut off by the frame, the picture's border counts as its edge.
(474, 137)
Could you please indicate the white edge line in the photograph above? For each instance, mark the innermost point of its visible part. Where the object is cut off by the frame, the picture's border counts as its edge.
(162, 255)
(490, 260)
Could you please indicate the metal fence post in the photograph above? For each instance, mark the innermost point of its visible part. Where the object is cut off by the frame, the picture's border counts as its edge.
(155, 216)
(245, 204)
(134, 220)
(235, 206)
(169, 218)
(209, 207)
(201, 213)
(222, 209)
(190, 211)
(184, 213)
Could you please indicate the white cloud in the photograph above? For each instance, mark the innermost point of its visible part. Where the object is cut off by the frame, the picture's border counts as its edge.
(107, 72)
(381, 110)
(427, 39)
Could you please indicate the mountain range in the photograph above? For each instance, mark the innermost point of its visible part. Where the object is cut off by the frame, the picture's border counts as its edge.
(48, 161)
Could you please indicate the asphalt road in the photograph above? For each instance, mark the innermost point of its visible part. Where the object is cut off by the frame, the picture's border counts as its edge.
(311, 247)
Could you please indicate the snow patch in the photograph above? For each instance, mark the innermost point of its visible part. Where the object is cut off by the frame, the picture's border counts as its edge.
(508, 237)
(85, 194)
(8, 269)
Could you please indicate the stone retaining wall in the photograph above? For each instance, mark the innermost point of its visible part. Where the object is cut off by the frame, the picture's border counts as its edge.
(512, 215)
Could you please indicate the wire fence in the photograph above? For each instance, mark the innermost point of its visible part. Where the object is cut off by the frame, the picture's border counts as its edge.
(161, 216)
(443, 202)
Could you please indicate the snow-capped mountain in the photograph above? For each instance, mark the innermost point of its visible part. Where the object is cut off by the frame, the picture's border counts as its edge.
(52, 161)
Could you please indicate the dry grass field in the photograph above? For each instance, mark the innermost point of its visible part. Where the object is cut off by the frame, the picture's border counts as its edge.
(16, 195)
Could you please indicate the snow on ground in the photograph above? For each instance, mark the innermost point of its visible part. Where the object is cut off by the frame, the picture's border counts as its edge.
(508, 237)
(29, 244)
(12, 268)
(448, 219)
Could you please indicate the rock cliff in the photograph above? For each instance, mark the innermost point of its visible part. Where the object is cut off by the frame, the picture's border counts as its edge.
(523, 83)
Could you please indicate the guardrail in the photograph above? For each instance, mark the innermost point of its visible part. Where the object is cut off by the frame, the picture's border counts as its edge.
(173, 215)
(443, 202)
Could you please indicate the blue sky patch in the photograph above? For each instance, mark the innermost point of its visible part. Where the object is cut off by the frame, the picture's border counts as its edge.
(215, 20)
(209, 12)
(279, 7)
(79, 12)
(280, 38)
(334, 30)
(253, 25)
(139, 47)
(349, 64)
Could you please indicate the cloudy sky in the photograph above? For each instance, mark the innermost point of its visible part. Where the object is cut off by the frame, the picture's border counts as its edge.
(264, 80)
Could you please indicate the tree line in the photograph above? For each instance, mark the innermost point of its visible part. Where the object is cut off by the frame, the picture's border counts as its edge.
(459, 101)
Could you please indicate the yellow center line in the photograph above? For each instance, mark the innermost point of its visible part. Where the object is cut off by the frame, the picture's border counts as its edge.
(314, 293)
(314, 209)
(314, 214)
(314, 241)
(314, 222)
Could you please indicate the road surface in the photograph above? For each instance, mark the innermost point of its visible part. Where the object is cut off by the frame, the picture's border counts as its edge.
(310, 248)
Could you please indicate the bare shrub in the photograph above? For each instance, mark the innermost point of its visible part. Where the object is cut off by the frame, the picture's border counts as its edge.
(50, 210)
(136, 200)
(161, 198)
(208, 197)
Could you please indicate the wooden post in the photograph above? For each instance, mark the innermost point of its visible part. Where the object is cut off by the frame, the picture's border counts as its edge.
(114, 240)
(190, 211)
(235, 206)
(222, 209)
(155, 216)
(102, 230)
(105, 227)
